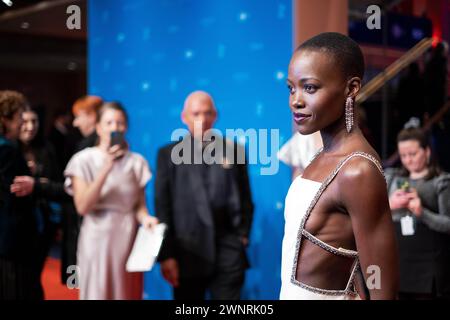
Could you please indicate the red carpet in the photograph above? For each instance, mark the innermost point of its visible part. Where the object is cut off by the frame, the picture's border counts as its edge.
(51, 281)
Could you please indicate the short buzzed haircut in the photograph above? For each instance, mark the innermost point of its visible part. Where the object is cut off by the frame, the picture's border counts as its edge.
(345, 51)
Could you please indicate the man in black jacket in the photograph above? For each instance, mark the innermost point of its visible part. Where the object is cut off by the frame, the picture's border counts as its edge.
(202, 193)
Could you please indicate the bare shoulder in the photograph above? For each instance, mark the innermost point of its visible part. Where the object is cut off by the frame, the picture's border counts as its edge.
(363, 189)
(362, 169)
(362, 178)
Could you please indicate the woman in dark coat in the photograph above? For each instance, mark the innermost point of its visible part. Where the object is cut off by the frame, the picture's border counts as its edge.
(44, 183)
(19, 276)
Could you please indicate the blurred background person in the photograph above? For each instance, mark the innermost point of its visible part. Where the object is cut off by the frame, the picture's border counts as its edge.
(19, 275)
(204, 247)
(107, 182)
(63, 137)
(45, 182)
(84, 111)
(419, 197)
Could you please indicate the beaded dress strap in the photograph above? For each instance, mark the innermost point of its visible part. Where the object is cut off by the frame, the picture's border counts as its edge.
(302, 232)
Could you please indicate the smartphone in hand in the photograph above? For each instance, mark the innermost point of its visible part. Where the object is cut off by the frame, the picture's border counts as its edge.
(403, 185)
(117, 138)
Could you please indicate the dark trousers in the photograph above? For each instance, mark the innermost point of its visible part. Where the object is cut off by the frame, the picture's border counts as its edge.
(227, 279)
(19, 280)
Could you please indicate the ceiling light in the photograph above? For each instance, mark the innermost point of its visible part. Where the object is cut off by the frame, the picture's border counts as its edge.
(9, 3)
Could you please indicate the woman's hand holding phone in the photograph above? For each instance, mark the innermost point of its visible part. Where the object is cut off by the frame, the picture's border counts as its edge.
(118, 145)
(414, 203)
(118, 148)
(398, 200)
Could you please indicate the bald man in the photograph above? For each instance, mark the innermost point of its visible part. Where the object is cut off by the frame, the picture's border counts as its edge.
(208, 208)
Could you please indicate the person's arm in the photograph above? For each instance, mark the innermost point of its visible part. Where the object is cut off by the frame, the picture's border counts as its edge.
(164, 212)
(364, 196)
(50, 187)
(163, 203)
(246, 202)
(85, 194)
(142, 214)
(437, 221)
(51, 190)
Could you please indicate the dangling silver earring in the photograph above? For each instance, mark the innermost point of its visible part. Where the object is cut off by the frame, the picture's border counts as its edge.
(349, 114)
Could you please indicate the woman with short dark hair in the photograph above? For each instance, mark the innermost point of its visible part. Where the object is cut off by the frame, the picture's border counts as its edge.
(339, 234)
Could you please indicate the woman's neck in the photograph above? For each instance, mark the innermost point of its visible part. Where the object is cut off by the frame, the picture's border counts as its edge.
(419, 174)
(336, 139)
(26, 144)
(26, 147)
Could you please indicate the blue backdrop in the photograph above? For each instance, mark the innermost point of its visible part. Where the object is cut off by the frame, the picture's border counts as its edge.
(151, 54)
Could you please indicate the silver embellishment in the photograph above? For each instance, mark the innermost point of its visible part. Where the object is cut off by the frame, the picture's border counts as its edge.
(349, 290)
(349, 114)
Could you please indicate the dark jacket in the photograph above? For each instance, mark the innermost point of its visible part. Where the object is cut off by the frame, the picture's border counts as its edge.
(18, 231)
(48, 193)
(201, 203)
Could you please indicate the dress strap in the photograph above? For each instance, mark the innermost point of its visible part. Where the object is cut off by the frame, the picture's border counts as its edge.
(337, 251)
(333, 174)
(368, 157)
(302, 232)
(350, 287)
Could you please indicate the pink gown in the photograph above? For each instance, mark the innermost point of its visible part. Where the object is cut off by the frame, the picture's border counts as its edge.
(108, 232)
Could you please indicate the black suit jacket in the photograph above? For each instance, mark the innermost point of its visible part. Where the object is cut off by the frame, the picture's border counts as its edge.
(188, 201)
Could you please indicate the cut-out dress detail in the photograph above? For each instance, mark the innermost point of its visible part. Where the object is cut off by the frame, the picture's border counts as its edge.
(301, 199)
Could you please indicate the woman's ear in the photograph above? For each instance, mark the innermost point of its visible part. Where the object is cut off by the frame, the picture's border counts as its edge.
(353, 86)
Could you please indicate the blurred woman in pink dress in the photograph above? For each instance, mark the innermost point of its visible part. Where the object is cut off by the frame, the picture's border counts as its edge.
(107, 182)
